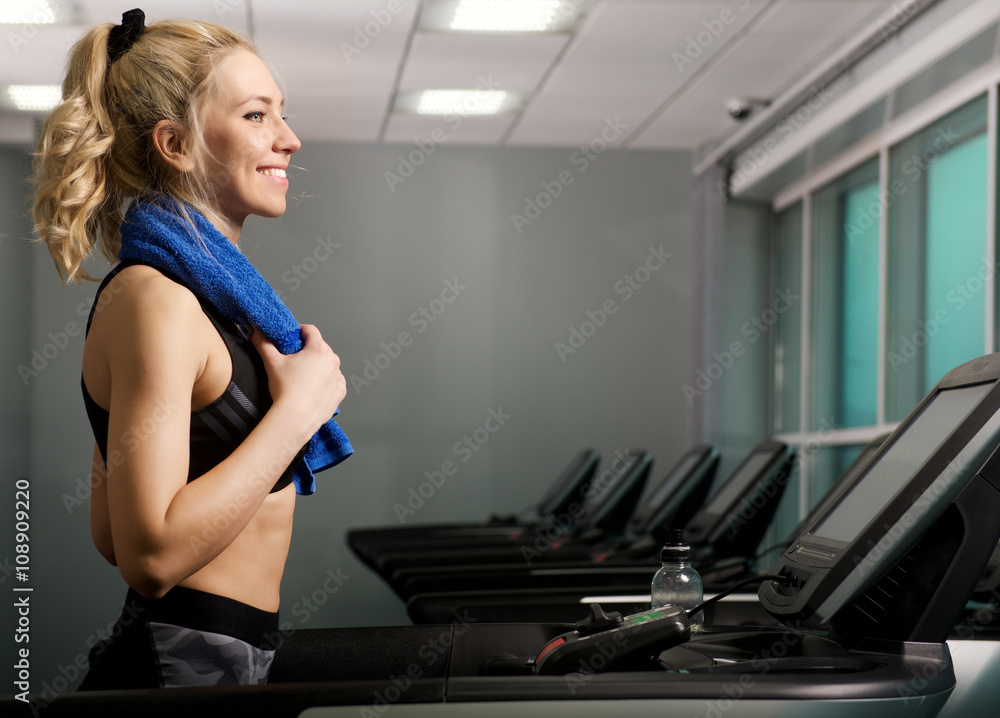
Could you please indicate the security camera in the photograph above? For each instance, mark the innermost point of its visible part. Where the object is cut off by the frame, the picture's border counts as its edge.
(741, 108)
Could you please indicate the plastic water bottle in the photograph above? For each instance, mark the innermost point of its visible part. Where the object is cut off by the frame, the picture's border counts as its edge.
(677, 583)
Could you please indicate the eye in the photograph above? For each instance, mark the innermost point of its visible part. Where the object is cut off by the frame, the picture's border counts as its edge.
(255, 116)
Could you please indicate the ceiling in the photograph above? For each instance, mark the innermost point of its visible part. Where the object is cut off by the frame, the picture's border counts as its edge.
(652, 74)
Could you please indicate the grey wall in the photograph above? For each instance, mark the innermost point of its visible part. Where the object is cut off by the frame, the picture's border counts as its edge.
(361, 259)
(15, 329)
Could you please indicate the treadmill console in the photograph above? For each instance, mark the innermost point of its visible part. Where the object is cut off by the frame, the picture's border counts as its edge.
(603, 642)
(909, 528)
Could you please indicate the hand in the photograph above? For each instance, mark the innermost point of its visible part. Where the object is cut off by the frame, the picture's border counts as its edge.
(309, 382)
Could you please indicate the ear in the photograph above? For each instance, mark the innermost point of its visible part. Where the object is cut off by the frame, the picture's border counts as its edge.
(170, 142)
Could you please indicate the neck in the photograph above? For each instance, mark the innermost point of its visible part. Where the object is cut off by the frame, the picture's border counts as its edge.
(230, 228)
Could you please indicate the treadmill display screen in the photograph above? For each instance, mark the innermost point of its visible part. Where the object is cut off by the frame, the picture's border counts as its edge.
(670, 483)
(908, 452)
(739, 483)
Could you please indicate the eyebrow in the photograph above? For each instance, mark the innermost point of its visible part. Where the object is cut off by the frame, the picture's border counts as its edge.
(261, 98)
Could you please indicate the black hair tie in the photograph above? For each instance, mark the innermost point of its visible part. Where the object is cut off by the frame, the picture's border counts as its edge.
(123, 36)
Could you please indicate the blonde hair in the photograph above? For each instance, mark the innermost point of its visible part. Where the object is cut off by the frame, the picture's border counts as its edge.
(96, 151)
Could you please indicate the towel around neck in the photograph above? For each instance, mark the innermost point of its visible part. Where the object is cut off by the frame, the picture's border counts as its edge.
(156, 232)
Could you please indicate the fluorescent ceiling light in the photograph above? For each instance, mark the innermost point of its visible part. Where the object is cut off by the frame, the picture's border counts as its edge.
(461, 102)
(27, 12)
(35, 98)
(505, 15)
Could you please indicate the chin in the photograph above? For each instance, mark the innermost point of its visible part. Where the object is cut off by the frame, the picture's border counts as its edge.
(271, 211)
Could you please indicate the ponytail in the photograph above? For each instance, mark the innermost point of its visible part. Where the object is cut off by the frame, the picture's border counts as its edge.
(73, 208)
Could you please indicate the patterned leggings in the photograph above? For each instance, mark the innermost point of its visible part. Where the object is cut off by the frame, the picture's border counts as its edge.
(186, 638)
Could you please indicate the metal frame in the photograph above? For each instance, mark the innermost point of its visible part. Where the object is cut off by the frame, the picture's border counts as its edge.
(983, 81)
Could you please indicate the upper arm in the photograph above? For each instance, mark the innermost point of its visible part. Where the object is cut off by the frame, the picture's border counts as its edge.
(153, 363)
(100, 521)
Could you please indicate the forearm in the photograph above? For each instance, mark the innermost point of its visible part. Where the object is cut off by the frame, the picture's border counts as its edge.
(206, 515)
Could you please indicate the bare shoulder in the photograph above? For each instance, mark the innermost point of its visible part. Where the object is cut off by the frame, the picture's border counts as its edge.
(138, 289)
(147, 325)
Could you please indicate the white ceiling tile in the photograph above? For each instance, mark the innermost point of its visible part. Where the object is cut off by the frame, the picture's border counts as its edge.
(655, 31)
(665, 66)
(513, 63)
(344, 19)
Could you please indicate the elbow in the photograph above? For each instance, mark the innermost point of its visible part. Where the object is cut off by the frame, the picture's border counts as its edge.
(146, 578)
(150, 591)
(106, 548)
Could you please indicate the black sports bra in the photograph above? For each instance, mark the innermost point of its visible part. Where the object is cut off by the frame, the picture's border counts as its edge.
(218, 428)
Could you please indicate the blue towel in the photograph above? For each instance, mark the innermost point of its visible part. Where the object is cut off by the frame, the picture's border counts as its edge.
(155, 233)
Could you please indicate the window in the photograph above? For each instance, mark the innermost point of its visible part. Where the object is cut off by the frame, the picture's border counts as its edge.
(787, 339)
(938, 262)
(891, 245)
(845, 283)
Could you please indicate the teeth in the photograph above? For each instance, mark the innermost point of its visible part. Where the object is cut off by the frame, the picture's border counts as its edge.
(272, 172)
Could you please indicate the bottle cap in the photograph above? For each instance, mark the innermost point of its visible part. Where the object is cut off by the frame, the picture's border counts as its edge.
(675, 548)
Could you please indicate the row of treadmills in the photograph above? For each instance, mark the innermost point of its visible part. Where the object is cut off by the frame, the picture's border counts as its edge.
(506, 571)
(551, 617)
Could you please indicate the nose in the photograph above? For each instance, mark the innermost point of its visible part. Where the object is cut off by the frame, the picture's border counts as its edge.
(285, 140)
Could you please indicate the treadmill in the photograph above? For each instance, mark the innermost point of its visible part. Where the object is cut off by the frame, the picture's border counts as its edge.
(732, 522)
(563, 603)
(607, 505)
(867, 597)
(569, 488)
(676, 499)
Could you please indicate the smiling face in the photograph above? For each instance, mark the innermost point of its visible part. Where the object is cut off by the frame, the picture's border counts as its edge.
(248, 141)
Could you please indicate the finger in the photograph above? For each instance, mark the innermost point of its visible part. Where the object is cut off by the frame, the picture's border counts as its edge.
(261, 342)
(309, 333)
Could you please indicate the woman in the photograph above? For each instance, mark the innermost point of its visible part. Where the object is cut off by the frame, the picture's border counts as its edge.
(198, 429)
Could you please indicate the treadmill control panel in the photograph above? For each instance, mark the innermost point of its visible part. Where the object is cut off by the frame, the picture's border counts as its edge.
(604, 640)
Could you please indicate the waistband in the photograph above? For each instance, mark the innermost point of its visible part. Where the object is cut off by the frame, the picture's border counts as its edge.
(191, 608)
